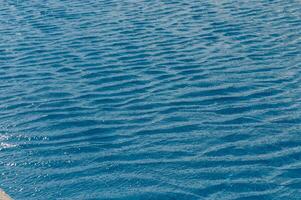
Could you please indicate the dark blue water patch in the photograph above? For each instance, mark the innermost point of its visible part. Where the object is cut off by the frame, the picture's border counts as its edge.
(150, 99)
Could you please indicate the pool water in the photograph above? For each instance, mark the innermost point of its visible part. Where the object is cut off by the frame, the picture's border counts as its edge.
(150, 99)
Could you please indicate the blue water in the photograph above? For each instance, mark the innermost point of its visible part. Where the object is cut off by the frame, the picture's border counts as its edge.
(150, 99)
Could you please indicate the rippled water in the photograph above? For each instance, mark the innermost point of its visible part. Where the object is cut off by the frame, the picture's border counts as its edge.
(154, 99)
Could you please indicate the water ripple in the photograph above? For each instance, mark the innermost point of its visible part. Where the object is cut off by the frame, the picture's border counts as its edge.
(150, 99)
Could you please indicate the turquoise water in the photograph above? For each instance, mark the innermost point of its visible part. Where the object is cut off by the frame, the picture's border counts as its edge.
(150, 99)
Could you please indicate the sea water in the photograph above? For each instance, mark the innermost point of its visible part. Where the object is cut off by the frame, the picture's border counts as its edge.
(150, 99)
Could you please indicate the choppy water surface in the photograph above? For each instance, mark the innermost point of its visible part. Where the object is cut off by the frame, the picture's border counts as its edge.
(150, 99)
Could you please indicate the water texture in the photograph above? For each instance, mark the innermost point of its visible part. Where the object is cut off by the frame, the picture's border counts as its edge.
(150, 99)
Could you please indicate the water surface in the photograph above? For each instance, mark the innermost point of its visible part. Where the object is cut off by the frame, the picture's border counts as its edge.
(154, 99)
